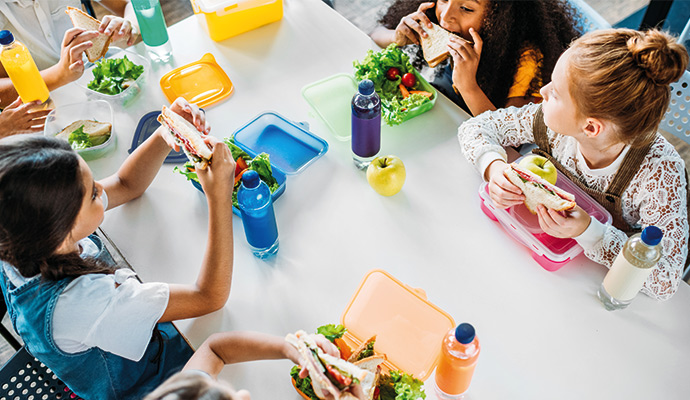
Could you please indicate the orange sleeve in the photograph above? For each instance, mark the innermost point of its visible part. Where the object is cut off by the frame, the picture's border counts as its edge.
(527, 70)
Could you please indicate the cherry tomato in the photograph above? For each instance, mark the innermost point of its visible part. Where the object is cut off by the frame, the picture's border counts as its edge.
(409, 79)
(393, 73)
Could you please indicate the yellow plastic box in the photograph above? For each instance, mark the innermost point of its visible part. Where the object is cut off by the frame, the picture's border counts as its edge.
(226, 18)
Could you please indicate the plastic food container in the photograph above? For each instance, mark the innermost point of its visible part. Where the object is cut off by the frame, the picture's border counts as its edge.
(289, 145)
(126, 97)
(100, 111)
(145, 128)
(226, 18)
(330, 99)
(202, 82)
(550, 252)
(409, 329)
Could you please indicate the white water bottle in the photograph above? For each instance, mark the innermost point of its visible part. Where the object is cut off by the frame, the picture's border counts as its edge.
(631, 269)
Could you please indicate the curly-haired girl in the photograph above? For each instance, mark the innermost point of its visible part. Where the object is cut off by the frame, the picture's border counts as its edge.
(515, 45)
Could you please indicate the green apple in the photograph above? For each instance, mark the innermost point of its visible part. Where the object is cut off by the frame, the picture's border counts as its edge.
(540, 166)
(386, 175)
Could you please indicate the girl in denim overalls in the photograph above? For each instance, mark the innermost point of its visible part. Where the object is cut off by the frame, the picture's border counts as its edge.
(598, 125)
(102, 332)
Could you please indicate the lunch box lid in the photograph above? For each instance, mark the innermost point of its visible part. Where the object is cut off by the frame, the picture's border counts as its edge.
(202, 82)
(291, 146)
(145, 128)
(550, 252)
(409, 328)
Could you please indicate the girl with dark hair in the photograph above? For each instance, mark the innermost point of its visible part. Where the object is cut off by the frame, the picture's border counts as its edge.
(102, 332)
(512, 49)
(598, 125)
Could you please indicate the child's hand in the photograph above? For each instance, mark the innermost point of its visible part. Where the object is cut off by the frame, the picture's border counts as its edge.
(217, 179)
(563, 225)
(120, 29)
(410, 27)
(192, 113)
(465, 61)
(18, 118)
(75, 42)
(324, 344)
(502, 191)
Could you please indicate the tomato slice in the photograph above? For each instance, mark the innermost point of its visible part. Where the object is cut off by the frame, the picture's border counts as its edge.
(343, 380)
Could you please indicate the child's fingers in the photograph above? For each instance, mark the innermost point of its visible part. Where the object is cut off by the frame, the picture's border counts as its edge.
(546, 223)
(70, 34)
(478, 44)
(17, 103)
(414, 26)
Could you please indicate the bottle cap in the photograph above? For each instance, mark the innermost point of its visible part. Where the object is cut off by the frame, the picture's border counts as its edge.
(464, 333)
(366, 87)
(6, 37)
(251, 179)
(652, 235)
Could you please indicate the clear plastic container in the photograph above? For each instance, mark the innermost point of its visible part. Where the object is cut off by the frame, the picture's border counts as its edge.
(330, 99)
(550, 252)
(226, 18)
(129, 95)
(99, 110)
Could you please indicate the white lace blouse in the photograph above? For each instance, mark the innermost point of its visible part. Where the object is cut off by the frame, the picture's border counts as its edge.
(656, 195)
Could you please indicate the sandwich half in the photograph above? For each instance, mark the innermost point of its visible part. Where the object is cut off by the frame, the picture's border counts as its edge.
(435, 45)
(186, 136)
(330, 375)
(98, 132)
(538, 191)
(83, 20)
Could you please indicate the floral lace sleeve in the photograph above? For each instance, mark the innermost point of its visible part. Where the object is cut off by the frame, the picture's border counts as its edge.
(490, 131)
(657, 196)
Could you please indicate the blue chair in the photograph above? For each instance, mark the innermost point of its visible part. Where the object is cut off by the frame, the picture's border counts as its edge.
(677, 118)
(587, 18)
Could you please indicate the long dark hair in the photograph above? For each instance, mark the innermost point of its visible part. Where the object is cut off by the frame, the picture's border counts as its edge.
(41, 193)
(508, 27)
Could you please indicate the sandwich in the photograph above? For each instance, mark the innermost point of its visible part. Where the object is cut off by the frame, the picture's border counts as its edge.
(83, 20)
(538, 191)
(332, 375)
(187, 137)
(435, 45)
(365, 350)
(85, 133)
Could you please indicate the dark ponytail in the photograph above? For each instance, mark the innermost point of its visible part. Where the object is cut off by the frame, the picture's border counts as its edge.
(41, 193)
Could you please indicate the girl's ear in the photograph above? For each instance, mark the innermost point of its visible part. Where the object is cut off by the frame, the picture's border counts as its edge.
(593, 127)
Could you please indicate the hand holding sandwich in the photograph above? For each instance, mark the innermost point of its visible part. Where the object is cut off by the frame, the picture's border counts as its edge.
(503, 193)
(70, 67)
(410, 27)
(121, 30)
(466, 57)
(563, 225)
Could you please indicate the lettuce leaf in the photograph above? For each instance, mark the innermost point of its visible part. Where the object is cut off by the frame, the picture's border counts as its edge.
(374, 67)
(331, 332)
(304, 385)
(113, 75)
(400, 386)
(79, 139)
(260, 164)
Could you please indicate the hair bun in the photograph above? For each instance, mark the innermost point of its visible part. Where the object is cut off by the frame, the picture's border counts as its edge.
(659, 54)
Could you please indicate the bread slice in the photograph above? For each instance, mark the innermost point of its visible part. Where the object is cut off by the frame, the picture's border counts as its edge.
(83, 20)
(186, 136)
(99, 132)
(539, 191)
(435, 45)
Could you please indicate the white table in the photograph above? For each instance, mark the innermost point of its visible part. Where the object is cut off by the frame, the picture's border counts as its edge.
(543, 334)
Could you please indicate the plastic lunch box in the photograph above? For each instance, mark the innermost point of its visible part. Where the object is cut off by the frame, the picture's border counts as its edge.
(550, 252)
(290, 146)
(202, 82)
(409, 329)
(330, 99)
(226, 18)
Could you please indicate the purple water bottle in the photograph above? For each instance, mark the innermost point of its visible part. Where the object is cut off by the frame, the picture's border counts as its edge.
(366, 124)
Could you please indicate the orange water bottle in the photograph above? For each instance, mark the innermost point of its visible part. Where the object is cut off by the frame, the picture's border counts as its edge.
(22, 70)
(459, 353)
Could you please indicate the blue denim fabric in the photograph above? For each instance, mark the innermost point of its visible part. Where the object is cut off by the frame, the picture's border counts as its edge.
(92, 374)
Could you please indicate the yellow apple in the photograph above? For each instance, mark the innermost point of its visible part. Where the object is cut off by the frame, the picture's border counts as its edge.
(386, 175)
(540, 166)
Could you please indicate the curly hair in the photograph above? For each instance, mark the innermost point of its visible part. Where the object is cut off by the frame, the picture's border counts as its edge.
(508, 27)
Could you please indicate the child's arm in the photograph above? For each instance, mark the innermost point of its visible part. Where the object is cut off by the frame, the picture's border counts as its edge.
(211, 290)
(225, 348)
(408, 30)
(139, 169)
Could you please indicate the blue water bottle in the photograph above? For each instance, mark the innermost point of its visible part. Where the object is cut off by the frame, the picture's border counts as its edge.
(256, 207)
(366, 124)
